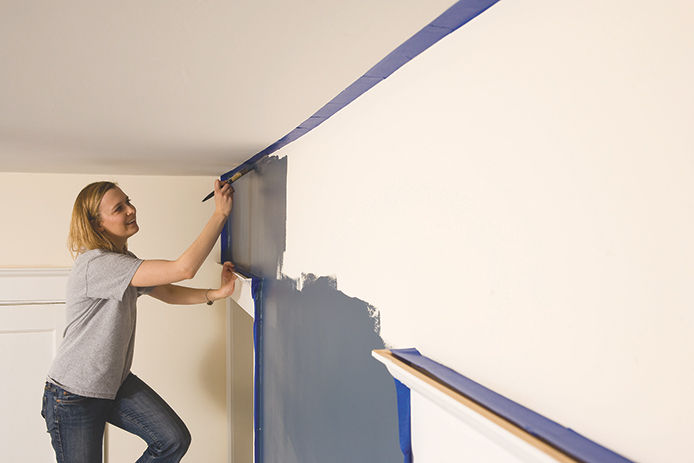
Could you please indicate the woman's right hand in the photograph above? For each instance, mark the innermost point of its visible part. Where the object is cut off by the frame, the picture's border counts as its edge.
(161, 272)
(223, 197)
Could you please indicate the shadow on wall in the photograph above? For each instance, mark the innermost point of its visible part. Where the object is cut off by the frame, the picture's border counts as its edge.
(324, 397)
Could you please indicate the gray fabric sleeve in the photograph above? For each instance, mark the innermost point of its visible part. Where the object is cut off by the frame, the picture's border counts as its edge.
(141, 289)
(108, 275)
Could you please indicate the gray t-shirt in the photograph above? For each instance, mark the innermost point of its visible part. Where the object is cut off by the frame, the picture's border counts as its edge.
(96, 353)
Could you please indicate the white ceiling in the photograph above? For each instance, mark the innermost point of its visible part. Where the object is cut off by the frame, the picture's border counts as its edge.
(181, 87)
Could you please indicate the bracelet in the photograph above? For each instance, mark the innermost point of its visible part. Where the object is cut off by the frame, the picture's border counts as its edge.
(209, 302)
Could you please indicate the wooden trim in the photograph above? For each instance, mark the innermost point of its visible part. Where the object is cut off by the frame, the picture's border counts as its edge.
(461, 398)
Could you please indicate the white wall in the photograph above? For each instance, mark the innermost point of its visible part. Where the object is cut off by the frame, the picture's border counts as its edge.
(180, 350)
(517, 203)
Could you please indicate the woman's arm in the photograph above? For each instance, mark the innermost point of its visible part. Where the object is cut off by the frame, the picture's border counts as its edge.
(162, 272)
(181, 295)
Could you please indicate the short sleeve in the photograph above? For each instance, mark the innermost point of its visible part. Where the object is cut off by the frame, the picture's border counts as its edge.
(108, 275)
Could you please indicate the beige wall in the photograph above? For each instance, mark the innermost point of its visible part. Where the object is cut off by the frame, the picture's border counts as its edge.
(517, 203)
(180, 351)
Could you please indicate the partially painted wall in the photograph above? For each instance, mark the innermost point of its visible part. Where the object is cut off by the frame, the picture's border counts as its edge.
(321, 397)
(516, 203)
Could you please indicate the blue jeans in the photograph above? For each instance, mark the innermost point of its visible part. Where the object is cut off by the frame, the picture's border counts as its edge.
(76, 424)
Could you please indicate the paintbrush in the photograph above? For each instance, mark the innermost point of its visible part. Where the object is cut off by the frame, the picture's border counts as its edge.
(232, 179)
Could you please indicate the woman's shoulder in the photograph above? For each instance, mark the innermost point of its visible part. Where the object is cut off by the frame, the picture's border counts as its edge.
(99, 262)
(88, 255)
(91, 254)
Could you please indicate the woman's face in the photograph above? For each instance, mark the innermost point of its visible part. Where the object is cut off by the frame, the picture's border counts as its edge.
(117, 217)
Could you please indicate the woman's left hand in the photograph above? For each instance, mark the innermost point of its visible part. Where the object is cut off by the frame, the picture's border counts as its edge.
(228, 279)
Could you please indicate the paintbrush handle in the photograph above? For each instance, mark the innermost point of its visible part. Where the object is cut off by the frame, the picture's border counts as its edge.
(230, 180)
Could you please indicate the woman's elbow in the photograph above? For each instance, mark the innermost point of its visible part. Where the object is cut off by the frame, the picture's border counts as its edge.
(187, 273)
(162, 272)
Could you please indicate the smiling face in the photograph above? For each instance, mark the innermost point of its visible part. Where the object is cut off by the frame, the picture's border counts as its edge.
(117, 214)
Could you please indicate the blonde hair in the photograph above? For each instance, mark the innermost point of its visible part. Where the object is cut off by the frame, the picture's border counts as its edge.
(83, 234)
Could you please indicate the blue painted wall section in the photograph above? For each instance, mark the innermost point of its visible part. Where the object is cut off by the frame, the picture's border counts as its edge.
(319, 395)
(254, 239)
(457, 15)
(564, 439)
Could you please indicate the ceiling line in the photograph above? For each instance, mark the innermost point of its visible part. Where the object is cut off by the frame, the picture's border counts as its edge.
(454, 17)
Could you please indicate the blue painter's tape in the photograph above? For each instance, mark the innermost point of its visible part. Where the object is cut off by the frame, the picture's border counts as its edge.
(423, 40)
(355, 90)
(256, 288)
(388, 65)
(257, 293)
(258, 404)
(225, 241)
(460, 13)
(312, 122)
(329, 109)
(404, 420)
(564, 439)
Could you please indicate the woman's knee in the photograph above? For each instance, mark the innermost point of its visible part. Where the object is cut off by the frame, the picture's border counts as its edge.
(175, 443)
(185, 440)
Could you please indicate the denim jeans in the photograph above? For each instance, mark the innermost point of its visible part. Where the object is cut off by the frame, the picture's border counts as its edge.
(76, 424)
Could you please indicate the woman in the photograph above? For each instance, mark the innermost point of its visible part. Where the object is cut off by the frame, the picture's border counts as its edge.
(89, 382)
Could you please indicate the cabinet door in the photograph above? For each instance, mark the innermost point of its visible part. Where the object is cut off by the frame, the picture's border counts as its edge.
(29, 336)
(32, 318)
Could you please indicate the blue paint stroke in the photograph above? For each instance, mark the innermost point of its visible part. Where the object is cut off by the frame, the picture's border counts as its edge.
(564, 439)
(457, 15)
